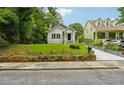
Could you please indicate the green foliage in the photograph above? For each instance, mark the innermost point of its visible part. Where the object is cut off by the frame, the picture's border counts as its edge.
(87, 41)
(100, 35)
(3, 43)
(97, 43)
(121, 10)
(80, 38)
(9, 22)
(112, 35)
(74, 46)
(27, 25)
(40, 26)
(79, 29)
(54, 17)
(111, 46)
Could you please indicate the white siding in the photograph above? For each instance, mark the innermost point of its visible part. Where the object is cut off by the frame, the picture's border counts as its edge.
(60, 30)
(89, 31)
(57, 30)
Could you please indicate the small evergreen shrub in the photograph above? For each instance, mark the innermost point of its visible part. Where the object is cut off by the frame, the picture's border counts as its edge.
(74, 46)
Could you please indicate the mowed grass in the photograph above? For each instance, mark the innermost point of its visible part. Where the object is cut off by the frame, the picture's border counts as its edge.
(43, 49)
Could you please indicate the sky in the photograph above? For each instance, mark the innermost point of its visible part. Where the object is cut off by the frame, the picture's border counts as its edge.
(83, 14)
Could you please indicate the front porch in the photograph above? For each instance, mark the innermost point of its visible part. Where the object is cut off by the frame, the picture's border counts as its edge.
(109, 35)
(69, 37)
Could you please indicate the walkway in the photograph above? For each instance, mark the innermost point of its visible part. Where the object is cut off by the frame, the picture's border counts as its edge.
(101, 55)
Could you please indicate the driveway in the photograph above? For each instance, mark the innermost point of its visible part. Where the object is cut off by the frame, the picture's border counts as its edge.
(101, 55)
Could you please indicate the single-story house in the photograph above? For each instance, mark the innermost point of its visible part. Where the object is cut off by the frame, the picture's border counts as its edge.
(104, 29)
(61, 34)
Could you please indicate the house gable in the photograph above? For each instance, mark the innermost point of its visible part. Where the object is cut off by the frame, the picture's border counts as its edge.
(107, 22)
(70, 29)
(99, 22)
(59, 27)
(89, 29)
(90, 26)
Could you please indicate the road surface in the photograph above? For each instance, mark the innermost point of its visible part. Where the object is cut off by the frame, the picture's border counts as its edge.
(101, 55)
(63, 77)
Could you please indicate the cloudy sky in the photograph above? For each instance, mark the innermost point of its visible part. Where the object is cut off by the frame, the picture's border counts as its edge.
(82, 15)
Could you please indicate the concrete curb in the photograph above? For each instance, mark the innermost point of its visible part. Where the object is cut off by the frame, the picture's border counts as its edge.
(56, 69)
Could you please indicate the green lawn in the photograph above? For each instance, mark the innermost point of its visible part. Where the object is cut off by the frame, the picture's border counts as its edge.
(43, 49)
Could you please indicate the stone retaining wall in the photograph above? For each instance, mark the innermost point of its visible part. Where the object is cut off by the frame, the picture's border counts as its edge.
(18, 58)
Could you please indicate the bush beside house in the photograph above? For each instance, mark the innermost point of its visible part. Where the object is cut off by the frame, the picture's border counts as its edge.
(98, 43)
(93, 42)
(74, 46)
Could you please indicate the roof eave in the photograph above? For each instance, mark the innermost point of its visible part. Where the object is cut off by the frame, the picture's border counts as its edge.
(57, 26)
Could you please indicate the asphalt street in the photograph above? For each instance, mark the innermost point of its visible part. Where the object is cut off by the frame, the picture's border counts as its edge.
(63, 77)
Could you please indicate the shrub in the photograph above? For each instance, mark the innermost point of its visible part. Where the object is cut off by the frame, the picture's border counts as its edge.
(112, 46)
(80, 38)
(93, 42)
(97, 43)
(74, 46)
(3, 43)
(88, 41)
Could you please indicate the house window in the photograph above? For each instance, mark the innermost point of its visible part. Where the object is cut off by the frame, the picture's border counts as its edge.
(58, 36)
(99, 23)
(107, 23)
(116, 24)
(53, 36)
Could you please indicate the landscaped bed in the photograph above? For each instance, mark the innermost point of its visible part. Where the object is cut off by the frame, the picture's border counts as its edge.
(46, 52)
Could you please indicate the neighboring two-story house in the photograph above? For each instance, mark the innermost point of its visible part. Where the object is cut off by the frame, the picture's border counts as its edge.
(61, 34)
(104, 29)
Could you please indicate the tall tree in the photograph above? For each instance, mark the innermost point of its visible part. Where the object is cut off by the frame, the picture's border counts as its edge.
(122, 14)
(78, 27)
(39, 26)
(25, 24)
(55, 17)
(9, 25)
